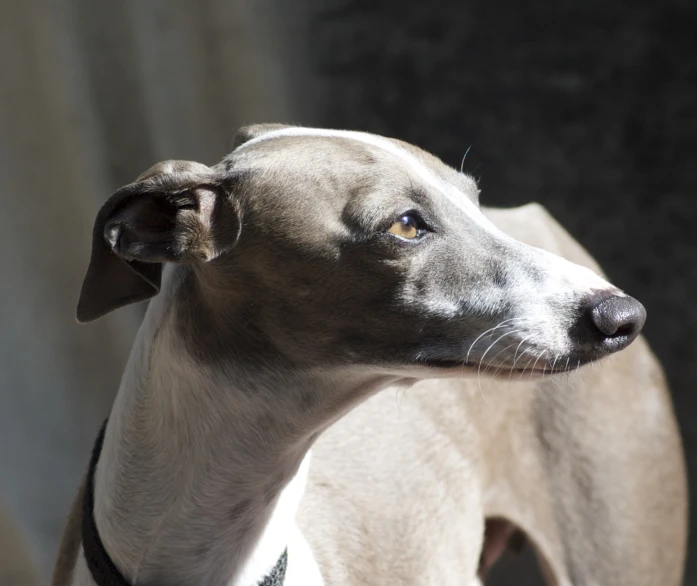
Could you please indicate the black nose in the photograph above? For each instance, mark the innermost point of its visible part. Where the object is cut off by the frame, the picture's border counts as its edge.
(618, 319)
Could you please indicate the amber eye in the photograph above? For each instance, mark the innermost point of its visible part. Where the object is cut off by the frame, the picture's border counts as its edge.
(408, 227)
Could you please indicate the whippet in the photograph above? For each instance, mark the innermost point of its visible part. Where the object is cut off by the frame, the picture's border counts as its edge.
(292, 282)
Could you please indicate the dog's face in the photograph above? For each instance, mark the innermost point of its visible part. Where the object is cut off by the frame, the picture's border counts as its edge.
(338, 247)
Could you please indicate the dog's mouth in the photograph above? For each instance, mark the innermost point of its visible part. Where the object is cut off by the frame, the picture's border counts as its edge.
(502, 370)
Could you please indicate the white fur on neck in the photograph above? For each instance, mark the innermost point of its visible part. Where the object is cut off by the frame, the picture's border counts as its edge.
(281, 532)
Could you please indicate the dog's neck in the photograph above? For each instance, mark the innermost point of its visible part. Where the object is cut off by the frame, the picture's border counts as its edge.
(202, 471)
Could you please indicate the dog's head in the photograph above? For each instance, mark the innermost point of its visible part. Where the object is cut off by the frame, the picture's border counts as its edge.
(330, 247)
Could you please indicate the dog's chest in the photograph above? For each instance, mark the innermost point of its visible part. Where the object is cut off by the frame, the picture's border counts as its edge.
(277, 575)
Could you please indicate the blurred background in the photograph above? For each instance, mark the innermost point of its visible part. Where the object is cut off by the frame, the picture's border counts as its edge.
(586, 106)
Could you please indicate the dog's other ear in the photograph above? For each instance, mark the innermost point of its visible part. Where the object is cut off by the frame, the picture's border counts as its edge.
(253, 131)
(177, 211)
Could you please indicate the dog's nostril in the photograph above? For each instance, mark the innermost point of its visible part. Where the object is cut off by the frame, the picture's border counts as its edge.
(618, 317)
(625, 330)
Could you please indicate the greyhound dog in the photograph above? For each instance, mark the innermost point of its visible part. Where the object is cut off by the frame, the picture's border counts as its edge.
(344, 292)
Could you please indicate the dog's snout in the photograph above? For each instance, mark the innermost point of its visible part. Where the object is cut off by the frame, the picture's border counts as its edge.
(617, 319)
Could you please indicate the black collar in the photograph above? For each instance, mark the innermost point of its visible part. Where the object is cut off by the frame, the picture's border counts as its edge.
(103, 570)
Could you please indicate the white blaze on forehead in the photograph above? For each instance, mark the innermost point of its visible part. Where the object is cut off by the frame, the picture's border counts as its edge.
(452, 193)
(562, 274)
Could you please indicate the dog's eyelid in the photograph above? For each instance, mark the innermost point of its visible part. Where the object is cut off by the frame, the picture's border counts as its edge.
(396, 217)
(422, 218)
(411, 211)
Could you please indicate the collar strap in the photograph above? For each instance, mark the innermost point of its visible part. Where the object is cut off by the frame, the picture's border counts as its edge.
(102, 568)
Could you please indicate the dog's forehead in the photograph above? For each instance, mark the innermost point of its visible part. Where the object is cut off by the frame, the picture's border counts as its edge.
(432, 172)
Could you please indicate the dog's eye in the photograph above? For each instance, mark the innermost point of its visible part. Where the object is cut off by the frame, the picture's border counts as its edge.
(408, 226)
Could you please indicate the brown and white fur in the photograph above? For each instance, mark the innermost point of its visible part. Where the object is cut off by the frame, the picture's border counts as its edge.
(291, 317)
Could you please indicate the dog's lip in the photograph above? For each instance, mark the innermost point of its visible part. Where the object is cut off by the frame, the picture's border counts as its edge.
(490, 369)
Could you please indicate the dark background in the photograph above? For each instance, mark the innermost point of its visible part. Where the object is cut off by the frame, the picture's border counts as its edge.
(586, 106)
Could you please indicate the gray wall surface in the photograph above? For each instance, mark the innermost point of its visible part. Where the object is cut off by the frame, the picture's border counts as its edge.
(588, 107)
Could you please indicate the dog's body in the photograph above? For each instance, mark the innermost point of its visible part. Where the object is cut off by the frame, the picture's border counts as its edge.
(294, 300)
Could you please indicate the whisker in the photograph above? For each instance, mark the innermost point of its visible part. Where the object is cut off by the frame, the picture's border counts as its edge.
(526, 366)
(535, 364)
(496, 342)
(523, 353)
(462, 165)
(490, 330)
(499, 354)
(518, 348)
(516, 357)
(481, 360)
(556, 357)
(498, 368)
(479, 369)
(492, 360)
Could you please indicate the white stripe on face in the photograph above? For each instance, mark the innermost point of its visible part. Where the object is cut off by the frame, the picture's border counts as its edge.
(562, 274)
(454, 195)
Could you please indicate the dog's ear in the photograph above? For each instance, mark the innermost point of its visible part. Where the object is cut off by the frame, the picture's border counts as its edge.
(177, 211)
(247, 133)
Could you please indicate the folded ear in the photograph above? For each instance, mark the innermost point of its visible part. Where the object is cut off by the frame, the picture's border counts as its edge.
(177, 211)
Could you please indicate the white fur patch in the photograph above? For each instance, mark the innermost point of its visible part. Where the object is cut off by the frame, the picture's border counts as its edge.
(417, 167)
(281, 532)
(576, 276)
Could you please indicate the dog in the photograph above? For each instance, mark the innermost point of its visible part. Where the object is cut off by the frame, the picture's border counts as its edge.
(343, 294)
